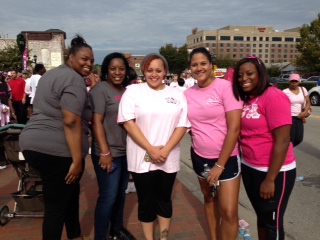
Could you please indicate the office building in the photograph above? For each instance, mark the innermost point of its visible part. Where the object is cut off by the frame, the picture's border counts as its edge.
(270, 45)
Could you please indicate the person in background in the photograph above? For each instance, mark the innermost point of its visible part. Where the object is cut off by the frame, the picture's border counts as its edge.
(300, 103)
(55, 139)
(26, 76)
(189, 81)
(109, 149)
(18, 96)
(174, 82)
(155, 117)
(268, 164)
(215, 117)
(181, 83)
(39, 70)
(6, 107)
(318, 82)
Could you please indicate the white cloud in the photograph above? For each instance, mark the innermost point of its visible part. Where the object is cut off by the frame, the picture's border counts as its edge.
(143, 26)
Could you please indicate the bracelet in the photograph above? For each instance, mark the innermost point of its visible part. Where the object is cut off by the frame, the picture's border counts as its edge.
(105, 154)
(219, 166)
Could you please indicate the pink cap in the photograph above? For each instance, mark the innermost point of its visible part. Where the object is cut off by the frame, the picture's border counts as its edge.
(294, 77)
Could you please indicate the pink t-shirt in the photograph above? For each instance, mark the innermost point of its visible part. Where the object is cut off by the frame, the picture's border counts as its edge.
(157, 114)
(297, 100)
(260, 116)
(207, 109)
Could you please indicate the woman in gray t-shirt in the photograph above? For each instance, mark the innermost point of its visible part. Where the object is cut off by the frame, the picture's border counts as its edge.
(55, 140)
(109, 148)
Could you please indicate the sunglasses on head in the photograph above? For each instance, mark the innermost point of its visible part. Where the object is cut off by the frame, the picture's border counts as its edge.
(254, 57)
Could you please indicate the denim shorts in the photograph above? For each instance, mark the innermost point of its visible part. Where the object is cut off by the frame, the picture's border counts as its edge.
(231, 171)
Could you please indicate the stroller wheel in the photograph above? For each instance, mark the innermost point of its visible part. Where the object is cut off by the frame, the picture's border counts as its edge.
(4, 219)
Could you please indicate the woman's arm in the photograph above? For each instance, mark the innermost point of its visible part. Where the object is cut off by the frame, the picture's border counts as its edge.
(73, 133)
(175, 138)
(306, 107)
(234, 126)
(136, 134)
(101, 138)
(281, 136)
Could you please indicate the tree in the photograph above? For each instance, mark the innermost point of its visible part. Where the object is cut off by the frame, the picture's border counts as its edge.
(10, 57)
(177, 58)
(274, 71)
(226, 62)
(309, 47)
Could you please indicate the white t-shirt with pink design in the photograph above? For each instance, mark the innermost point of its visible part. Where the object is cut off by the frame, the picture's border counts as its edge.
(260, 116)
(297, 100)
(157, 114)
(207, 109)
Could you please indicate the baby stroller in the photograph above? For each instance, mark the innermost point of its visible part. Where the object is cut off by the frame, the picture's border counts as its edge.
(28, 197)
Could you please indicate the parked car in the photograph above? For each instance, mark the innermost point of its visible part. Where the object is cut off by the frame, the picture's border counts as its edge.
(313, 79)
(275, 80)
(285, 76)
(314, 94)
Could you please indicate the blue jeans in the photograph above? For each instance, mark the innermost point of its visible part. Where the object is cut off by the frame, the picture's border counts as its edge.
(112, 196)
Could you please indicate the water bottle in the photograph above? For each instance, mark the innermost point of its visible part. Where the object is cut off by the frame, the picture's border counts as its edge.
(241, 233)
(299, 178)
(206, 170)
(247, 235)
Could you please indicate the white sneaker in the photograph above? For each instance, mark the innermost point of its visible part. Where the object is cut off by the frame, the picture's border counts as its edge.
(3, 167)
(131, 187)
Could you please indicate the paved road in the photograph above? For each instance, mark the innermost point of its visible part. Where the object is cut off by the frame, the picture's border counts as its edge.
(301, 219)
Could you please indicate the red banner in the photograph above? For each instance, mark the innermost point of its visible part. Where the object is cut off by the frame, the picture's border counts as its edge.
(25, 59)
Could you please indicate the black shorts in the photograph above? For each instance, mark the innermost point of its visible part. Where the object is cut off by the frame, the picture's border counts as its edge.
(231, 171)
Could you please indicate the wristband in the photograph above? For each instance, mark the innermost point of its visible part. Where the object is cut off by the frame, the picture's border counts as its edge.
(219, 166)
(105, 154)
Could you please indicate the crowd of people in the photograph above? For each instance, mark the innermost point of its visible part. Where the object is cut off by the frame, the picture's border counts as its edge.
(240, 128)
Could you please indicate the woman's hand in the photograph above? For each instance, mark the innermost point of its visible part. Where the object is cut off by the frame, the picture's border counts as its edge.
(214, 175)
(74, 172)
(267, 189)
(105, 163)
(155, 154)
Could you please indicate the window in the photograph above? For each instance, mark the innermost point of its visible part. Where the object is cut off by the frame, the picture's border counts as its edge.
(248, 50)
(248, 45)
(279, 50)
(267, 39)
(261, 39)
(266, 56)
(267, 45)
(241, 49)
(228, 50)
(225, 38)
(284, 56)
(248, 38)
(260, 45)
(228, 44)
(235, 45)
(273, 45)
(241, 44)
(238, 38)
(207, 45)
(260, 50)
(276, 39)
(260, 55)
(209, 38)
(272, 50)
(266, 61)
(241, 55)
(298, 39)
(266, 50)
(254, 45)
(253, 50)
(201, 38)
(221, 44)
(279, 45)
(254, 38)
(288, 39)
(213, 45)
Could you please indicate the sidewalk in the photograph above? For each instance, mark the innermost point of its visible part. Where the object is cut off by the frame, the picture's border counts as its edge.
(188, 220)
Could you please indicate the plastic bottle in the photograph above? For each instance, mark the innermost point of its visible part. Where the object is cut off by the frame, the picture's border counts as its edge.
(299, 178)
(206, 170)
(247, 235)
(241, 233)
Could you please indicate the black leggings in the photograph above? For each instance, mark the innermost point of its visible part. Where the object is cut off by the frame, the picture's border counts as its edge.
(61, 200)
(154, 190)
(269, 212)
(297, 130)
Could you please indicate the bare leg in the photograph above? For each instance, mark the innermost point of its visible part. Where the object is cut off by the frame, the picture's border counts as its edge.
(228, 196)
(211, 210)
(164, 224)
(147, 228)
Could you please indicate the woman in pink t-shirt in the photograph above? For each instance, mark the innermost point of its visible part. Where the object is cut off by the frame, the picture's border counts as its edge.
(215, 117)
(268, 165)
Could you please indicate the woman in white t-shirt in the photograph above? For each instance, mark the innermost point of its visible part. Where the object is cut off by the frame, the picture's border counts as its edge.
(299, 101)
(155, 117)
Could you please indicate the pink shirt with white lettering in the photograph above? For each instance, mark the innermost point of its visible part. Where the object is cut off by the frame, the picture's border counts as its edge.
(260, 116)
(207, 109)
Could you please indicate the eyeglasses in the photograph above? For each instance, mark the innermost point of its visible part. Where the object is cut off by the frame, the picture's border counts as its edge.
(294, 81)
(254, 57)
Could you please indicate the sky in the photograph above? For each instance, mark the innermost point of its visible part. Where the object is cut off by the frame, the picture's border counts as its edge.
(140, 27)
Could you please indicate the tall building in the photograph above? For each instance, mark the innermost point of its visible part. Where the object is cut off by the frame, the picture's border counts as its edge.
(270, 45)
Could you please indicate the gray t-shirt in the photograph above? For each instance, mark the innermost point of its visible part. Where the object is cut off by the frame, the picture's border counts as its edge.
(58, 88)
(105, 100)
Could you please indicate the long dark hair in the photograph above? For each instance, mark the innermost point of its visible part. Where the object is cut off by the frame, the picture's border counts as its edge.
(263, 79)
(105, 66)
